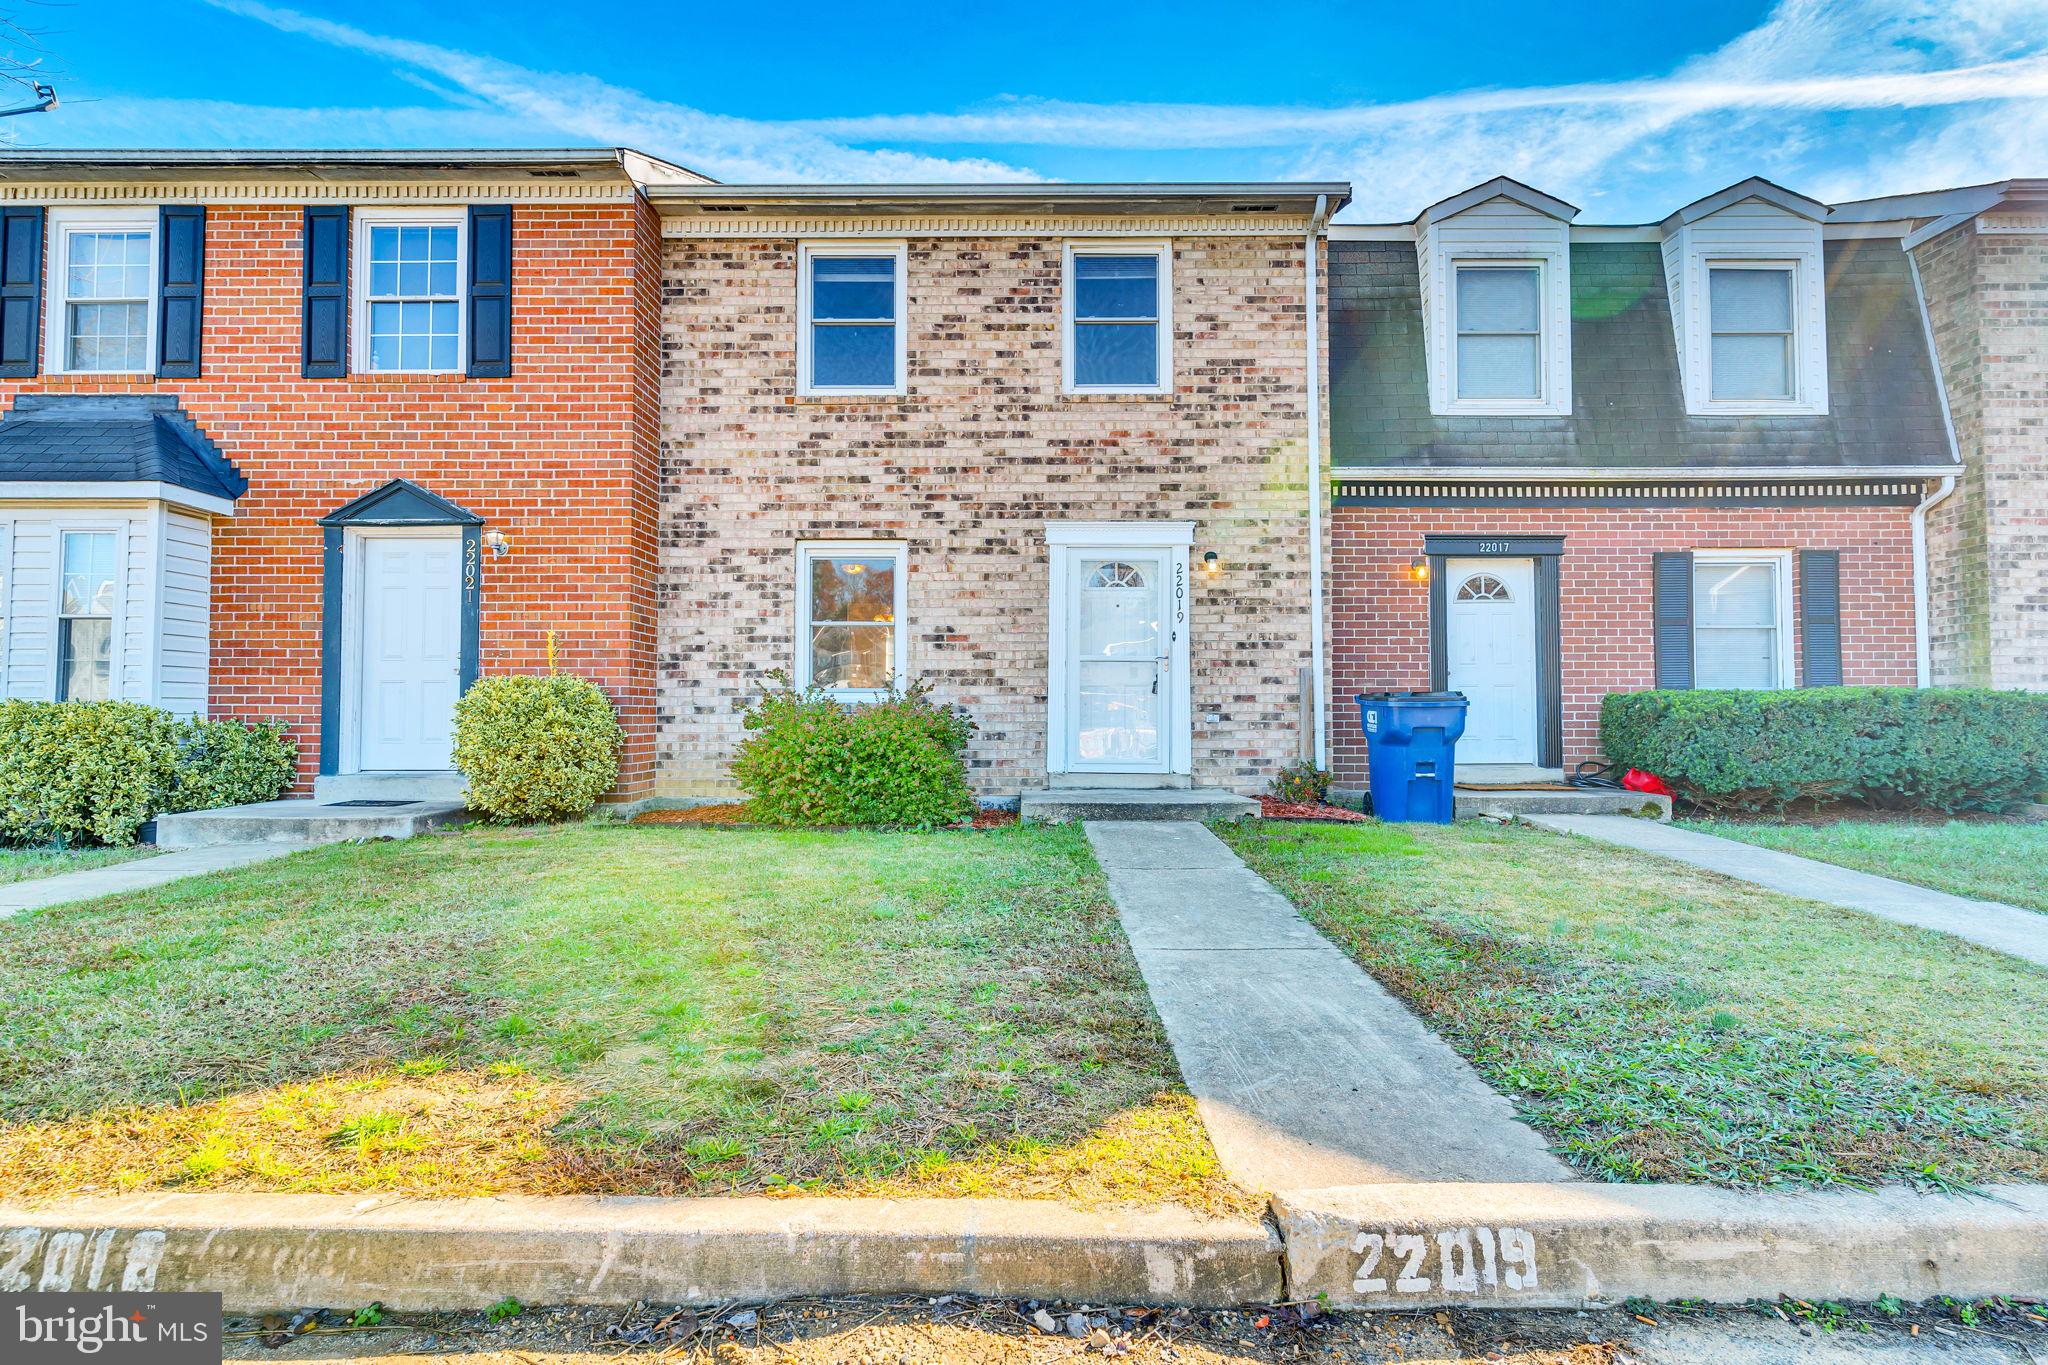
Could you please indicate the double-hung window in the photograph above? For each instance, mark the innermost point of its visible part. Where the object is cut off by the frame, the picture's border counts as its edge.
(1119, 318)
(1741, 611)
(1753, 356)
(851, 319)
(409, 272)
(105, 290)
(850, 605)
(85, 617)
(1498, 312)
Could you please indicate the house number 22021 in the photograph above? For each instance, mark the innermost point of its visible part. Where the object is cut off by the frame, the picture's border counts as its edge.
(1459, 1260)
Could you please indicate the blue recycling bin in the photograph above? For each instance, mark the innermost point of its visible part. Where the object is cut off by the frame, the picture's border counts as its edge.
(1411, 743)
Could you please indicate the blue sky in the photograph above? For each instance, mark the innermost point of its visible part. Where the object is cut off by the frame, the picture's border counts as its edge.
(1625, 109)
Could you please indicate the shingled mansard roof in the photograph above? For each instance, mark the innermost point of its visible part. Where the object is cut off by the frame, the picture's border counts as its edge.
(112, 439)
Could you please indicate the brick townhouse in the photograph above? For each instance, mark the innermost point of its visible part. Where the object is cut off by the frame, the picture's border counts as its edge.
(321, 436)
(1569, 460)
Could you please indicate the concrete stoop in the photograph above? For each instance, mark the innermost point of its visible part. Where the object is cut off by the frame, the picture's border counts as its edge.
(1546, 1245)
(304, 822)
(1063, 805)
(1510, 805)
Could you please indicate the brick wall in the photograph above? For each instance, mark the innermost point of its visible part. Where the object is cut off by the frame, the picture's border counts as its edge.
(561, 457)
(967, 468)
(1379, 631)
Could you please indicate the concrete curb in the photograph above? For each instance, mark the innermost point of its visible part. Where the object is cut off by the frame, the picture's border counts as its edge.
(268, 1251)
(1579, 1245)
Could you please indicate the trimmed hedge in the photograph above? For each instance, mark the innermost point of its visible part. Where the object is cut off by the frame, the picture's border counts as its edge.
(1944, 749)
(810, 760)
(537, 748)
(93, 772)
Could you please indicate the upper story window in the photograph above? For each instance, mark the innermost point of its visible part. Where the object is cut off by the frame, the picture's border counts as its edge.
(1498, 308)
(409, 274)
(850, 337)
(1119, 318)
(104, 291)
(1753, 354)
(850, 604)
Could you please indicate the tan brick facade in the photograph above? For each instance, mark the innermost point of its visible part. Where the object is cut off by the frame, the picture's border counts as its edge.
(1987, 298)
(1379, 629)
(561, 457)
(967, 468)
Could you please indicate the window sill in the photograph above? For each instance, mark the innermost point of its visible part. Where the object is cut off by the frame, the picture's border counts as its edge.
(1501, 410)
(88, 378)
(1118, 395)
(402, 377)
(853, 396)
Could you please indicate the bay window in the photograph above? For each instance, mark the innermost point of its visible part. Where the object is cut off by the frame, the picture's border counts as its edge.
(85, 617)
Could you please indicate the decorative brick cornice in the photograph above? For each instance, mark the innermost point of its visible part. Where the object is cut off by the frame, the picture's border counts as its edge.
(523, 191)
(741, 225)
(2013, 224)
(1676, 493)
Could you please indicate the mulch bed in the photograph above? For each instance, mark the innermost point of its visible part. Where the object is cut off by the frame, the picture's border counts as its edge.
(1273, 808)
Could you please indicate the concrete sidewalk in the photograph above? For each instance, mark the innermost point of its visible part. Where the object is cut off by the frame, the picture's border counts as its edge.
(139, 875)
(1307, 1072)
(1989, 924)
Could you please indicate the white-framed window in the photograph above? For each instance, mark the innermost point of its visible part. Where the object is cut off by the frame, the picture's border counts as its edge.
(1118, 308)
(410, 272)
(1752, 332)
(1742, 618)
(88, 599)
(850, 611)
(1497, 320)
(102, 311)
(851, 318)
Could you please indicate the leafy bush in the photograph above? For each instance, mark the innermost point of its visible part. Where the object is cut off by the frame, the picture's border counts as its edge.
(78, 772)
(536, 748)
(1303, 783)
(810, 760)
(1942, 749)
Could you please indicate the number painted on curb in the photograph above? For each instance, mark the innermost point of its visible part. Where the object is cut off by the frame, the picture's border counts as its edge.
(73, 1260)
(1466, 1260)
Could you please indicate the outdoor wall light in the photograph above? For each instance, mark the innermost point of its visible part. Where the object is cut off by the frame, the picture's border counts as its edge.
(498, 545)
(1418, 569)
(1212, 565)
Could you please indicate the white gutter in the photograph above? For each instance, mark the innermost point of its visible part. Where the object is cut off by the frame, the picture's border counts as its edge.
(1316, 491)
(1923, 641)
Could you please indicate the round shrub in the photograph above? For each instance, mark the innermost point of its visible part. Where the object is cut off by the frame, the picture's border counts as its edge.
(82, 772)
(230, 763)
(536, 748)
(811, 760)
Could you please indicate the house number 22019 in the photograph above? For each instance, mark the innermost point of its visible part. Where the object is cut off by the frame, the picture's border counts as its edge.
(1459, 1260)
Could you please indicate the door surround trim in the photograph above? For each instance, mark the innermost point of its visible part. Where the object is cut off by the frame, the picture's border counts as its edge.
(393, 507)
(1546, 551)
(1065, 541)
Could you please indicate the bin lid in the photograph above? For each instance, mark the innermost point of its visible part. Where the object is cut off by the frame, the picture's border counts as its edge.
(1433, 698)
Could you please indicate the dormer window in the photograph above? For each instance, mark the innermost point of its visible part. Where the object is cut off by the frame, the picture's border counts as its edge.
(1749, 316)
(1498, 312)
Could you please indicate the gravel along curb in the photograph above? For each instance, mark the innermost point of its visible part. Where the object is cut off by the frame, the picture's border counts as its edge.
(268, 1251)
(1581, 1245)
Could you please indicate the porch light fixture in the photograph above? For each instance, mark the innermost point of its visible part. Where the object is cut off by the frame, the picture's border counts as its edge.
(1418, 569)
(498, 545)
(1212, 565)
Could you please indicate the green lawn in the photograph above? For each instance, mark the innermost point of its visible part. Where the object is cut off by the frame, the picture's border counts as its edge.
(602, 1008)
(1993, 862)
(1658, 1023)
(27, 864)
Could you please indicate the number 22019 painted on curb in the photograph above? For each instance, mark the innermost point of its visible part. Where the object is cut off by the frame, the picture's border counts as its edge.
(1466, 1259)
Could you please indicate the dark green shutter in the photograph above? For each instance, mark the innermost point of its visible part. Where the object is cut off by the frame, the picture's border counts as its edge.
(490, 291)
(181, 288)
(1672, 615)
(21, 289)
(323, 352)
(1820, 618)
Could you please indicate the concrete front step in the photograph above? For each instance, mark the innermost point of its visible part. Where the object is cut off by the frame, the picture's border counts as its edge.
(303, 822)
(1579, 801)
(1062, 805)
(419, 786)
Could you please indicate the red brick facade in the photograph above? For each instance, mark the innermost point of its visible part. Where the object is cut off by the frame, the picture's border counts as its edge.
(562, 457)
(1379, 615)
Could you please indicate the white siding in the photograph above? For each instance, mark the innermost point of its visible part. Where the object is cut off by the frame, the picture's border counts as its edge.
(1499, 229)
(1750, 230)
(31, 590)
(136, 610)
(183, 642)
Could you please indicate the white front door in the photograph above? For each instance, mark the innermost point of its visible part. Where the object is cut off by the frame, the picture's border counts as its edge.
(409, 673)
(1120, 685)
(1490, 636)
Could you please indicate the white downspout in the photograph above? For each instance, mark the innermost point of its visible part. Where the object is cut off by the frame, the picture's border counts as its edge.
(1316, 491)
(1923, 641)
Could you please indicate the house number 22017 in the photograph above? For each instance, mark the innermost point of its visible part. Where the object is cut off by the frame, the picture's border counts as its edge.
(1493, 547)
(1460, 1260)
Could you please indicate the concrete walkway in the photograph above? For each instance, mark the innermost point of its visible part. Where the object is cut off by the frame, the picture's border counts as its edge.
(138, 875)
(1307, 1072)
(1989, 924)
